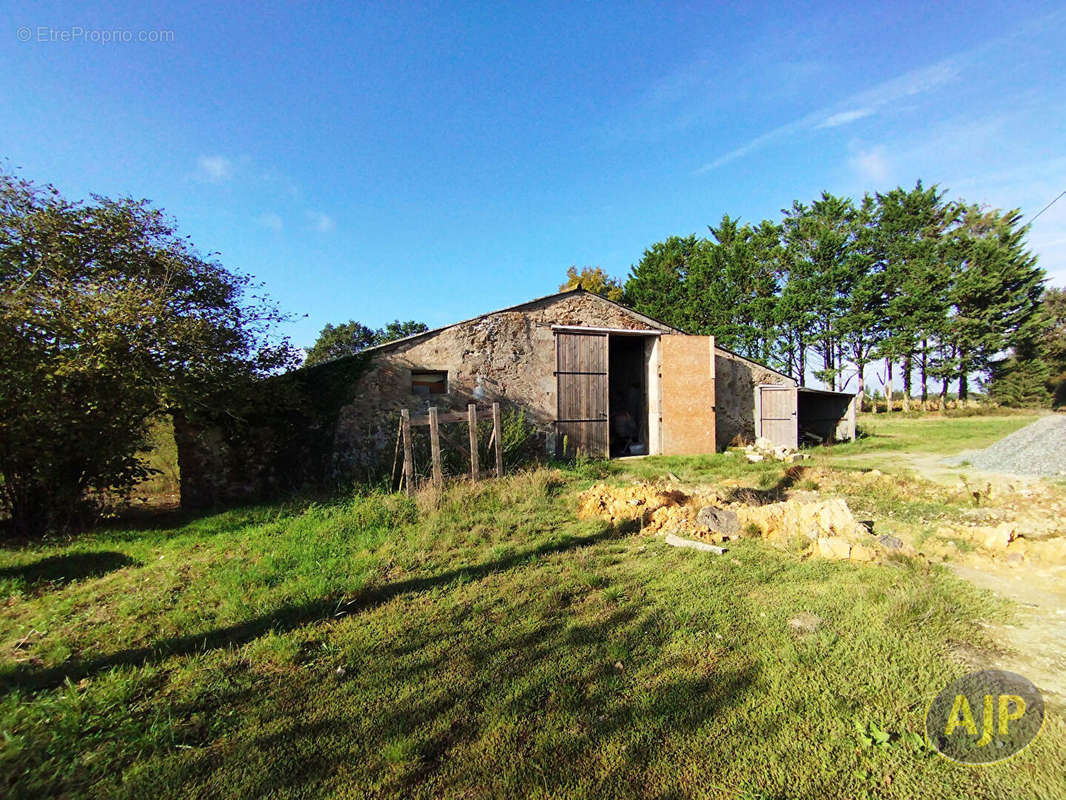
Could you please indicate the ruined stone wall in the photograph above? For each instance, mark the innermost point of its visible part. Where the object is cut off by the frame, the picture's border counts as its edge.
(337, 422)
(264, 439)
(735, 379)
(508, 356)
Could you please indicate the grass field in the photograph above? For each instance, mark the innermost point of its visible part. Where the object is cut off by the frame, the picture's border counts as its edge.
(886, 433)
(486, 643)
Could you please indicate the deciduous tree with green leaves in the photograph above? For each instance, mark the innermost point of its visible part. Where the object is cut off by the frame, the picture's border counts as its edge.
(108, 318)
(592, 279)
(351, 337)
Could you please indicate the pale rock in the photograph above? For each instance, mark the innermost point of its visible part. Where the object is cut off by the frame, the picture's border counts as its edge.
(890, 542)
(805, 622)
(718, 520)
(999, 537)
(834, 547)
(861, 552)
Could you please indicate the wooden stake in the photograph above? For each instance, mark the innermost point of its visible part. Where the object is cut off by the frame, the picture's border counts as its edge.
(408, 451)
(471, 421)
(396, 455)
(434, 446)
(497, 438)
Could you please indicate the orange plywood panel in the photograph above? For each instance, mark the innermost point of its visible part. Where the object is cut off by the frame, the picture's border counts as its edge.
(687, 395)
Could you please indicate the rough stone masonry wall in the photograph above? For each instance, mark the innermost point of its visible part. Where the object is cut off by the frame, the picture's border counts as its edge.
(508, 356)
(735, 379)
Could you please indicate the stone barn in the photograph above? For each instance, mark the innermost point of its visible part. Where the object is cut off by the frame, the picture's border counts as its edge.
(592, 376)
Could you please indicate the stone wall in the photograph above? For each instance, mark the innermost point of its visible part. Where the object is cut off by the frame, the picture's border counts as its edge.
(507, 356)
(265, 439)
(337, 422)
(735, 379)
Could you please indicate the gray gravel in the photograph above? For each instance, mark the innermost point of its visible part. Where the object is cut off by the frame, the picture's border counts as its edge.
(1037, 449)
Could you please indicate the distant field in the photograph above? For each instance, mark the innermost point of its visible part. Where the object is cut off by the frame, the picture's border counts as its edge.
(898, 441)
(164, 487)
(489, 644)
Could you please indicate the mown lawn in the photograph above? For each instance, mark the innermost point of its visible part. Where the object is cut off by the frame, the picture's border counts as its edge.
(884, 434)
(483, 644)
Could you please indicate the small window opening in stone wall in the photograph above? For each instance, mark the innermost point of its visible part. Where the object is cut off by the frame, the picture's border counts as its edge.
(429, 381)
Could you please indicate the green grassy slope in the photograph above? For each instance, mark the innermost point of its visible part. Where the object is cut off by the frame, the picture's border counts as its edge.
(489, 645)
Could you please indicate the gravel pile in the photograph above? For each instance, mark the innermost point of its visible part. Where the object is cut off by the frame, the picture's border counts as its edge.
(1037, 449)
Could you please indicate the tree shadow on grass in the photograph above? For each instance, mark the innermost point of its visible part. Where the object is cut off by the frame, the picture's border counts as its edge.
(290, 617)
(487, 730)
(56, 571)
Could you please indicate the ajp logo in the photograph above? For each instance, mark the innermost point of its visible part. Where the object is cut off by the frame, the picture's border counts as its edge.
(985, 716)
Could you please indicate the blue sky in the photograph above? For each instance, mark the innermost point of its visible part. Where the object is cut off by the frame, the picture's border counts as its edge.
(435, 161)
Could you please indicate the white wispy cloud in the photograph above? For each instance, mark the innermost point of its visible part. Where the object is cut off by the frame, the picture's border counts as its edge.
(271, 221)
(862, 104)
(214, 169)
(323, 223)
(871, 165)
(844, 117)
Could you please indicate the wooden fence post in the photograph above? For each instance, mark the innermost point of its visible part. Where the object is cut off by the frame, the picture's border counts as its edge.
(408, 451)
(496, 431)
(434, 446)
(471, 421)
(396, 457)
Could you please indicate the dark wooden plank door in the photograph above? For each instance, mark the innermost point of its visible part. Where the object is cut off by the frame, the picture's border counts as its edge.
(688, 404)
(582, 424)
(777, 411)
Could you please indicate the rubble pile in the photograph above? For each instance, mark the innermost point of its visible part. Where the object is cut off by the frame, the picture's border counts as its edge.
(825, 527)
(765, 450)
(659, 508)
(1005, 541)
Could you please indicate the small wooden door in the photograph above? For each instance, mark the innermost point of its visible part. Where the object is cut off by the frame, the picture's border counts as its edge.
(777, 414)
(688, 395)
(582, 418)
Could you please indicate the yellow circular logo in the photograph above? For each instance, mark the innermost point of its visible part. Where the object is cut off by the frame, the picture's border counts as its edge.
(985, 716)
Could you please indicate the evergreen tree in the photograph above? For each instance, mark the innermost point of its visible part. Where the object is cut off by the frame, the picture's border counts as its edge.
(656, 286)
(862, 326)
(995, 292)
(820, 243)
(941, 289)
(909, 242)
(731, 287)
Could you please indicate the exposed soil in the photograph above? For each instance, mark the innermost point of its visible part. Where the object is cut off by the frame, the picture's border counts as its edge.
(1029, 570)
(822, 527)
(1034, 643)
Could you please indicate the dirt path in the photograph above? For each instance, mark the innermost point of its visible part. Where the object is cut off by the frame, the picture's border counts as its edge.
(1036, 639)
(1034, 643)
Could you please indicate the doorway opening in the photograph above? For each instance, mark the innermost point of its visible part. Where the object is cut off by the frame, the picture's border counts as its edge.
(628, 358)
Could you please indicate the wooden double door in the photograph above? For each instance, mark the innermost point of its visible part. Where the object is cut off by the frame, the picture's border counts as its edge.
(681, 391)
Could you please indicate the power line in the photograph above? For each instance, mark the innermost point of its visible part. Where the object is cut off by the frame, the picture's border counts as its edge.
(1045, 208)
